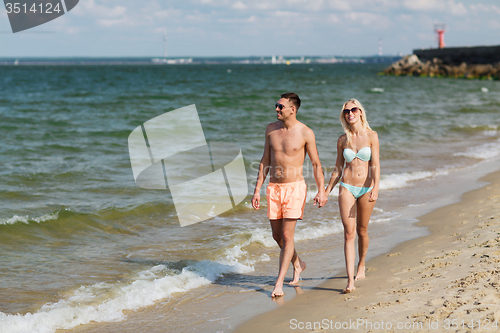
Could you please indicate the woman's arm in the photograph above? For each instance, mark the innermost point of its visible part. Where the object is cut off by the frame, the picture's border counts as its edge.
(339, 166)
(374, 169)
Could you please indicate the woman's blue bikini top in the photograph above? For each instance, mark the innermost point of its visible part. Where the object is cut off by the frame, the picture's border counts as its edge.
(364, 154)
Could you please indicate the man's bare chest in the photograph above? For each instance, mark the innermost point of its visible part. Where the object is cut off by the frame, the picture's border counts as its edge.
(286, 143)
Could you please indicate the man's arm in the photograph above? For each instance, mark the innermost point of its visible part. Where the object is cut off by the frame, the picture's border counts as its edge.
(312, 151)
(263, 170)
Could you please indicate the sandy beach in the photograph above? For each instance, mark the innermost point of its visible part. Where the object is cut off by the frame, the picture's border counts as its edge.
(446, 281)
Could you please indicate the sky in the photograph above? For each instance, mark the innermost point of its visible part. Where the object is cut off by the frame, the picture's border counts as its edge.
(205, 28)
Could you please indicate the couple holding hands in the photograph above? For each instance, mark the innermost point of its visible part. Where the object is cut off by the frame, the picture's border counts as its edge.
(357, 168)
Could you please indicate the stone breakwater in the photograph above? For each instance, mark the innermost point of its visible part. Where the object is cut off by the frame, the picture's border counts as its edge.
(412, 65)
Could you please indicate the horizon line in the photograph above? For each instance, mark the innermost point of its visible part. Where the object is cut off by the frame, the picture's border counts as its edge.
(221, 56)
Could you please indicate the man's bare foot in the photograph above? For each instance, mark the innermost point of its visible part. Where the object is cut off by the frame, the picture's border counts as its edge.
(296, 272)
(360, 275)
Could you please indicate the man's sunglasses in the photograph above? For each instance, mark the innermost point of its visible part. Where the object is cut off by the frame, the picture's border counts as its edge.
(353, 110)
(279, 106)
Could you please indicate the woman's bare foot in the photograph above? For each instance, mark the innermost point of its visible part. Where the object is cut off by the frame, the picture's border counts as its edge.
(360, 275)
(296, 272)
(277, 293)
(349, 288)
(278, 290)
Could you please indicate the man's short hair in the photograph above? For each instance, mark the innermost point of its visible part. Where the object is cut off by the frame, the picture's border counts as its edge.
(293, 98)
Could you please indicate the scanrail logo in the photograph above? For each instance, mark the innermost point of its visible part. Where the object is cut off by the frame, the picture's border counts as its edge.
(27, 14)
(205, 179)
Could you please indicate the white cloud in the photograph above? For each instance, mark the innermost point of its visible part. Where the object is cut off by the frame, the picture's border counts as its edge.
(424, 5)
(73, 30)
(449, 6)
(117, 11)
(239, 5)
(493, 24)
(302, 6)
(198, 17)
(480, 8)
(117, 17)
(114, 22)
(105, 16)
(264, 6)
(160, 30)
(282, 13)
(404, 18)
(457, 9)
(375, 21)
(168, 13)
(333, 18)
(189, 31)
(90, 8)
(340, 5)
(307, 5)
(250, 19)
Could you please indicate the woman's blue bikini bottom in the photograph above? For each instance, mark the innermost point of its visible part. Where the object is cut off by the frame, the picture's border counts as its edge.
(356, 191)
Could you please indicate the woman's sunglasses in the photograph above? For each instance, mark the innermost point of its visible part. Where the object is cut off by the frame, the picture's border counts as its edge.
(353, 110)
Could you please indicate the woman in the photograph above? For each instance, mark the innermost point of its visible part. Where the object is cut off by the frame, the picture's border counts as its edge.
(358, 191)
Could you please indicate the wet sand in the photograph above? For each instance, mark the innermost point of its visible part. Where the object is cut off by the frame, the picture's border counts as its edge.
(446, 281)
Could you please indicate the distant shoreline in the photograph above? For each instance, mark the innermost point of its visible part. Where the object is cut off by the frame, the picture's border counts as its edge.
(281, 60)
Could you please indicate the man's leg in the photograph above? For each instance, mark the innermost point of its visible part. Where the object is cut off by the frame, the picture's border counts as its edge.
(286, 255)
(298, 264)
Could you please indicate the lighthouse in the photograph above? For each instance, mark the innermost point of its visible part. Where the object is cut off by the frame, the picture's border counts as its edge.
(440, 29)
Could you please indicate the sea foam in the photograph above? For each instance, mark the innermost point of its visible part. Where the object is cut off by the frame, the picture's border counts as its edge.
(105, 302)
(400, 180)
(26, 219)
(484, 151)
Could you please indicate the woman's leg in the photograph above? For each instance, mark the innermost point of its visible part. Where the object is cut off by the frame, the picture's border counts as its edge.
(347, 206)
(364, 212)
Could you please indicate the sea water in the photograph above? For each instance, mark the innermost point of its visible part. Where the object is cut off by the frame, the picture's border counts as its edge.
(81, 243)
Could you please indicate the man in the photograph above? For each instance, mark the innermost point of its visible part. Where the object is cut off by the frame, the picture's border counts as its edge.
(287, 142)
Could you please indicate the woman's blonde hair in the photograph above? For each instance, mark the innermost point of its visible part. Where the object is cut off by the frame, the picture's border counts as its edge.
(345, 125)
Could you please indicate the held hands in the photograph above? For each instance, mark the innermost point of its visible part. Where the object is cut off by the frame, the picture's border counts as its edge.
(321, 198)
(256, 201)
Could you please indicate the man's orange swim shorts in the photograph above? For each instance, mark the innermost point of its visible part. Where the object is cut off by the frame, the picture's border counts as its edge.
(286, 200)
